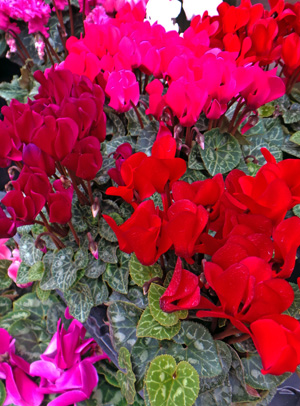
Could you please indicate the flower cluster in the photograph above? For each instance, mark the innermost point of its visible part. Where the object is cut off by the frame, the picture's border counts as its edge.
(34, 12)
(61, 129)
(66, 368)
(213, 64)
(239, 223)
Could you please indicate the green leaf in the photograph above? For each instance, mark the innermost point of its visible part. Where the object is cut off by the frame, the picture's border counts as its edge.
(63, 269)
(108, 251)
(192, 175)
(80, 301)
(5, 305)
(123, 318)
(143, 352)
(11, 317)
(81, 259)
(5, 280)
(147, 137)
(28, 253)
(113, 144)
(95, 267)
(36, 272)
(48, 282)
(102, 176)
(237, 380)
(163, 318)
(41, 294)
(245, 346)
(254, 149)
(267, 110)
(109, 371)
(13, 90)
(98, 289)
(222, 152)
(291, 148)
(23, 274)
(195, 160)
(2, 393)
(170, 384)
(199, 349)
(79, 224)
(253, 376)
(141, 274)
(137, 297)
(126, 379)
(54, 313)
(114, 125)
(149, 327)
(38, 310)
(225, 359)
(218, 396)
(292, 115)
(106, 231)
(31, 339)
(295, 138)
(116, 275)
(296, 210)
(294, 309)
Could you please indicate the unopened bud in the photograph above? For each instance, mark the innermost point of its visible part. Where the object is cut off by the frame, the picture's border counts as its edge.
(40, 244)
(93, 246)
(95, 207)
(178, 131)
(200, 140)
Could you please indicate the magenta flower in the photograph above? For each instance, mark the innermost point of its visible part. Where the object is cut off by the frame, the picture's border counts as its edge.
(62, 369)
(123, 90)
(20, 389)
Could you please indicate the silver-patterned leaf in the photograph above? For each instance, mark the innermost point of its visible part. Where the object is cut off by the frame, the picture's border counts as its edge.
(123, 318)
(80, 301)
(116, 275)
(222, 152)
(199, 349)
(28, 253)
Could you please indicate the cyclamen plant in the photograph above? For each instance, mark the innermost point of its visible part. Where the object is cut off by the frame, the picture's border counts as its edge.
(148, 183)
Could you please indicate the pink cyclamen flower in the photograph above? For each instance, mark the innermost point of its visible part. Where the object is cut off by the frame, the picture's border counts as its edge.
(20, 389)
(62, 369)
(123, 90)
(13, 256)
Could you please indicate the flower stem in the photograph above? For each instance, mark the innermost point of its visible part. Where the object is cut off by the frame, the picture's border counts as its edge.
(74, 233)
(71, 18)
(137, 114)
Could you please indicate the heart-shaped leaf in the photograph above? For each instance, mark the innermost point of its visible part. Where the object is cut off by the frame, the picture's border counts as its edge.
(5, 305)
(141, 274)
(199, 349)
(5, 280)
(116, 275)
(149, 327)
(163, 318)
(123, 318)
(28, 253)
(170, 384)
(222, 152)
(126, 379)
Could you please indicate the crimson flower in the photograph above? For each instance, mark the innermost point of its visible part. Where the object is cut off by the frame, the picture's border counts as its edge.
(141, 233)
(186, 222)
(277, 340)
(246, 292)
(183, 291)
